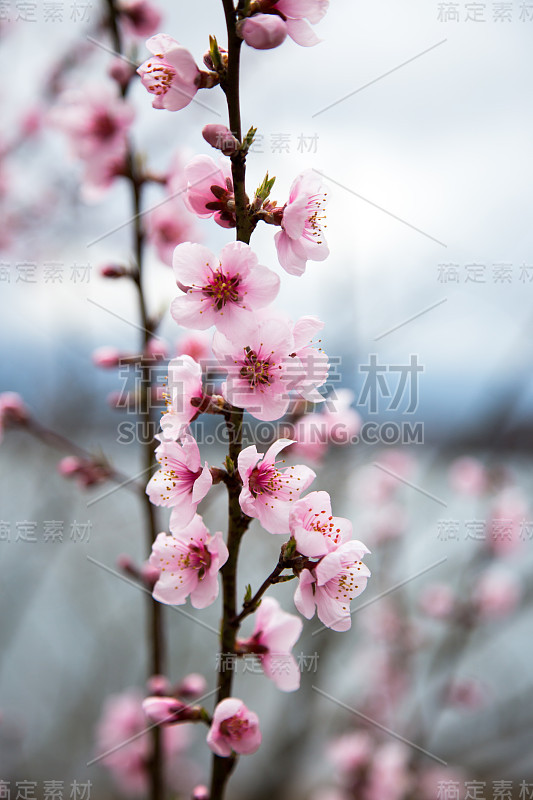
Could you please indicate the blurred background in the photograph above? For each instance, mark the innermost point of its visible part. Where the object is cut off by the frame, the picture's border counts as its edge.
(417, 115)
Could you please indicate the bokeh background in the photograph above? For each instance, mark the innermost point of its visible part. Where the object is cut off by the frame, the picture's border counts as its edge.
(418, 116)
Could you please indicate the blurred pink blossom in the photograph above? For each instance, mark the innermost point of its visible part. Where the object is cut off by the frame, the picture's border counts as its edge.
(235, 728)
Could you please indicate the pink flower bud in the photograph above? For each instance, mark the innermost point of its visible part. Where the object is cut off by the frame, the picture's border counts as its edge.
(263, 31)
(192, 686)
(12, 409)
(113, 271)
(121, 71)
(150, 575)
(157, 348)
(106, 357)
(70, 465)
(163, 709)
(140, 18)
(221, 138)
(158, 685)
(126, 564)
(200, 793)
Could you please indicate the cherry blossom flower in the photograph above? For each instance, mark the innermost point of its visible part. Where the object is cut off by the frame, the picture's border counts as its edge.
(189, 562)
(301, 238)
(100, 173)
(223, 292)
(140, 17)
(124, 742)
(296, 13)
(168, 225)
(496, 593)
(196, 344)
(268, 492)
(261, 368)
(181, 483)
(96, 120)
(13, 410)
(210, 189)
(314, 528)
(468, 476)
(170, 74)
(263, 31)
(235, 728)
(275, 634)
(332, 584)
(184, 385)
(336, 423)
(351, 752)
(437, 601)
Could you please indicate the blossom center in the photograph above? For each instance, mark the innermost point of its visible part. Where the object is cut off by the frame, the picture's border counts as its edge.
(234, 727)
(160, 77)
(198, 558)
(222, 289)
(104, 126)
(315, 219)
(264, 478)
(255, 369)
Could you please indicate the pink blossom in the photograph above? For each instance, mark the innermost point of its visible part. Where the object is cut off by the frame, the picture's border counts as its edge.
(168, 225)
(223, 292)
(336, 423)
(268, 492)
(181, 483)
(197, 345)
(263, 366)
(210, 189)
(184, 385)
(106, 356)
(164, 710)
(315, 529)
(140, 17)
(331, 585)
(301, 238)
(389, 777)
(124, 742)
(437, 601)
(200, 792)
(170, 74)
(263, 31)
(297, 14)
(13, 410)
(468, 476)
(235, 728)
(496, 593)
(351, 751)
(96, 120)
(189, 562)
(192, 686)
(275, 634)
(121, 70)
(100, 173)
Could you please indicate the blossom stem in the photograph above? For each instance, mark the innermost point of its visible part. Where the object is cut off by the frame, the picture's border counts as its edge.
(250, 606)
(237, 521)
